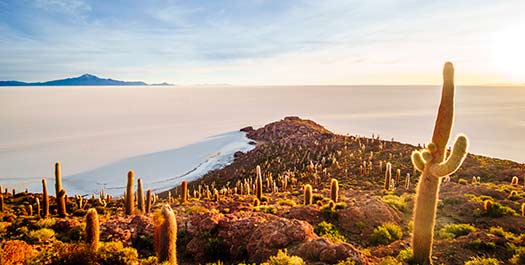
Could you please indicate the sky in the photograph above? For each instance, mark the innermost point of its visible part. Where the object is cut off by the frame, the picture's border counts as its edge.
(263, 42)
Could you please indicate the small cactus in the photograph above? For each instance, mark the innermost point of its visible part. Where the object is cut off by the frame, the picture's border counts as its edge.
(487, 205)
(334, 190)
(398, 175)
(407, 181)
(307, 194)
(60, 192)
(514, 181)
(1, 203)
(258, 183)
(130, 198)
(388, 176)
(256, 202)
(37, 203)
(166, 236)
(140, 196)
(45, 200)
(523, 209)
(184, 191)
(92, 229)
(435, 164)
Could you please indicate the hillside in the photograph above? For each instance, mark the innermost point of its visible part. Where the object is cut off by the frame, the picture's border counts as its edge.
(83, 80)
(367, 224)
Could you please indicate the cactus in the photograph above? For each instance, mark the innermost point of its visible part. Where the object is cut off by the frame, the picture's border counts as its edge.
(334, 190)
(45, 199)
(256, 202)
(398, 175)
(307, 194)
(523, 209)
(388, 176)
(514, 181)
(487, 205)
(60, 192)
(407, 181)
(140, 196)
(29, 209)
(148, 201)
(431, 162)
(184, 191)
(92, 229)
(166, 236)
(37, 203)
(130, 198)
(1, 203)
(258, 183)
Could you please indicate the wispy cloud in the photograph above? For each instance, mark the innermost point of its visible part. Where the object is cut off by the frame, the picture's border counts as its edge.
(250, 42)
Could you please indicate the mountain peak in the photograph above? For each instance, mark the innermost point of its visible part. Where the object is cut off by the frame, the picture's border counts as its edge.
(87, 76)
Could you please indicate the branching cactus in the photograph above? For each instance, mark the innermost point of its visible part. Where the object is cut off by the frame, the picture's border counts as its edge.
(166, 236)
(140, 196)
(130, 198)
(92, 229)
(258, 183)
(431, 162)
(45, 199)
(60, 192)
(334, 190)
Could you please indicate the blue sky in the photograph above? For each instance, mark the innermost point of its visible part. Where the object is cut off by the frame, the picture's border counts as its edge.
(263, 42)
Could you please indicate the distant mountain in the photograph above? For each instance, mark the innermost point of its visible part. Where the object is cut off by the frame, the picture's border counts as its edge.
(83, 80)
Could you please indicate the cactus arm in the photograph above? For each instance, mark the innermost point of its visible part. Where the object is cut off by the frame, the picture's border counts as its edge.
(427, 155)
(445, 116)
(459, 153)
(417, 161)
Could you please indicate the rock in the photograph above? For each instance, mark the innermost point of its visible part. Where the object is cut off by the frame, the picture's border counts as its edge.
(322, 249)
(247, 129)
(238, 154)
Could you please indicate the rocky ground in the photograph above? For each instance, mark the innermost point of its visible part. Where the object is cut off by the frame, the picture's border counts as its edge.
(368, 224)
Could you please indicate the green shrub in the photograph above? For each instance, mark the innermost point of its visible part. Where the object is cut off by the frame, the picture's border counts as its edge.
(386, 234)
(282, 258)
(45, 223)
(286, 202)
(390, 261)
(266, 209)
(329, 231)
(498, 210)
(405, 255)
(482, 261)
(454, 230)
(482, 245)
(396, 202)
(347, 261)
(115, 253)
(519, 256)
(499, 231)
(41, 235)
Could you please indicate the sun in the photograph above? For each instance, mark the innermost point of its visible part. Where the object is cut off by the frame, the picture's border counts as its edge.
(509, 52)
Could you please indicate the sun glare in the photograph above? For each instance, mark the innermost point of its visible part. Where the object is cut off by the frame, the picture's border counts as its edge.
(509, 52)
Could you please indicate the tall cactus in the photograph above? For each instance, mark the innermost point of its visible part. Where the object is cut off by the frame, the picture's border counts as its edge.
(60, 192)
(431, 162)
(140, 196)
(334, 190)
(1, 203)
(388, 176)
(92, 229)
(130, 198)
(166, 236)
(184, 191)
(45, 199)
(258, 183)
(148, 201)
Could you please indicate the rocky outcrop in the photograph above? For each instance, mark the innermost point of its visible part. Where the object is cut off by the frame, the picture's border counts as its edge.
(290, 129)
(256, 236)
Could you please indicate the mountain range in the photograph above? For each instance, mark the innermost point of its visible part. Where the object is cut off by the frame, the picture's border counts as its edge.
(83, 80)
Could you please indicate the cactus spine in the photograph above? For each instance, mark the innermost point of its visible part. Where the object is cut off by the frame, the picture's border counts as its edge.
(388, 176)
(130, 198)
(92, 229)
(60, 192)
(45, 199)
(431, 162)
(258, 183)
(166, 236)
(334, 190)
(140, 196)
(184, 191)
(307, 194)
